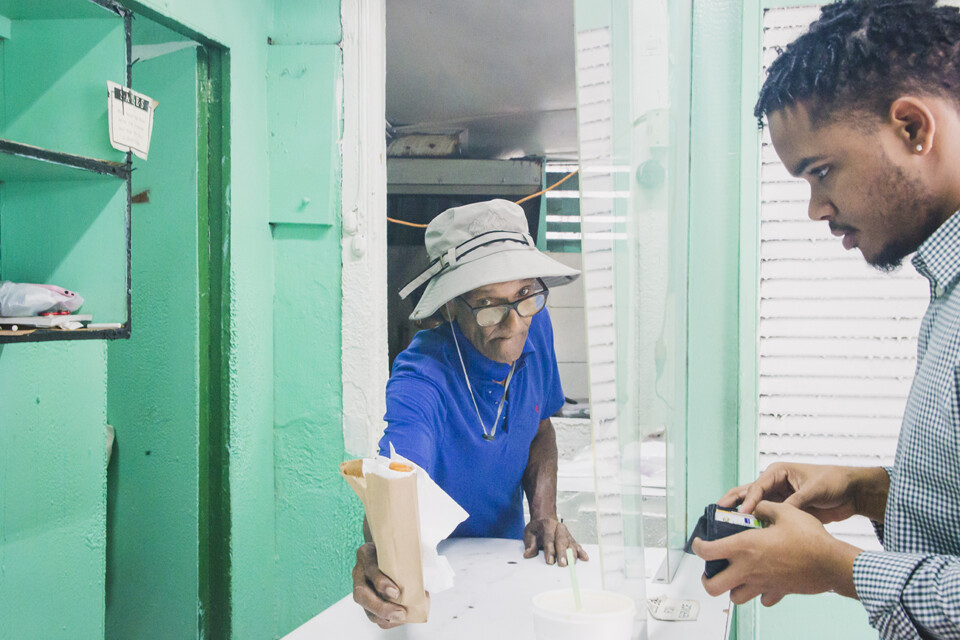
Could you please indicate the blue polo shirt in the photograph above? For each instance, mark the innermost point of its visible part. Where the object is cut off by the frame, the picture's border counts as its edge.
(432, 421)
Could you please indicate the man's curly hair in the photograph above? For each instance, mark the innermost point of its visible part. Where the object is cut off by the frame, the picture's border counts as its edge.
(861, 55)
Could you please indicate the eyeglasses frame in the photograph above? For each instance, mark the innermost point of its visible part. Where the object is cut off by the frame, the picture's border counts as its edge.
(545, 291)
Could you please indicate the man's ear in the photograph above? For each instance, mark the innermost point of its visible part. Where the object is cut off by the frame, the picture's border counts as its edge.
(439, 316)
(429, 323)
(914, 122)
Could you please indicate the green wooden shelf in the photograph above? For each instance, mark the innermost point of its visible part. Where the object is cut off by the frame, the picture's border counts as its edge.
(49, 335)
(56, 9)
(25, 163)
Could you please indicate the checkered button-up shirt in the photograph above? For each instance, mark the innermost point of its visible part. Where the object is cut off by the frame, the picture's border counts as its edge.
(912, 588)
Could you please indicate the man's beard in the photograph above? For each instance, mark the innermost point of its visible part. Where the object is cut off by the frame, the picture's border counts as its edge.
(902, 194)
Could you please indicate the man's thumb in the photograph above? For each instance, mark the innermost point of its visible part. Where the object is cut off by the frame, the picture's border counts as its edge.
(797, 500)
(768, 511)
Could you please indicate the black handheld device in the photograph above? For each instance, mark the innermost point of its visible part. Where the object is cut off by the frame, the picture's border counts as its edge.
(719, 522)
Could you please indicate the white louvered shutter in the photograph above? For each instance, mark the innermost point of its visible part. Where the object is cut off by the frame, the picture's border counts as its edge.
(838, 339)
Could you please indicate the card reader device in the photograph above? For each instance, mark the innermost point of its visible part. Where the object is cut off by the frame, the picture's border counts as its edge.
(718, 522)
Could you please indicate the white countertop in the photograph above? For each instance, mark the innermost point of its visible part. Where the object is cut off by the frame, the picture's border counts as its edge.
(492, 593)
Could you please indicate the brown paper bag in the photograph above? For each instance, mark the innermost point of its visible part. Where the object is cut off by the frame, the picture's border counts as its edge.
(393, 516)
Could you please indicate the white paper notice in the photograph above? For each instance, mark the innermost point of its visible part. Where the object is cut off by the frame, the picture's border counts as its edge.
(130, 115)
(663, 608)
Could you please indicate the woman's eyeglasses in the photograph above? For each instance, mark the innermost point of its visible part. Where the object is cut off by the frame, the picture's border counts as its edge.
(525, 307)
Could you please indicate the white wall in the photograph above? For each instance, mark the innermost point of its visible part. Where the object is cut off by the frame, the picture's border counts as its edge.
(569, 332)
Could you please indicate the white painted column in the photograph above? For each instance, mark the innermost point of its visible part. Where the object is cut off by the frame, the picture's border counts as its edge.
(364, 224)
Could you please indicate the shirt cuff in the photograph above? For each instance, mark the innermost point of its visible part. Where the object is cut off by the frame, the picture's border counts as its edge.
(892, 473)
(878, 526)
(878, 529)
(880, 579)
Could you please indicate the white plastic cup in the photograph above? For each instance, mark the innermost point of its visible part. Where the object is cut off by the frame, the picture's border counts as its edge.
(603, 614)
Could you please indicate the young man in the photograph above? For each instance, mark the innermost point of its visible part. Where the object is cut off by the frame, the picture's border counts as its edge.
(470, 400)
(864, 106)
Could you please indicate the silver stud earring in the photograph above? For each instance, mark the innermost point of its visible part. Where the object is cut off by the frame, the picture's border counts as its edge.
(919, 148)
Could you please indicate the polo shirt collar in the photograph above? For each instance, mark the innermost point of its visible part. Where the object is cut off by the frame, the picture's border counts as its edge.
(938, 259)
(480, 365)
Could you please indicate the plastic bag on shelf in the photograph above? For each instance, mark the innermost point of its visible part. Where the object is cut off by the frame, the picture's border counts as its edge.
(20, 299)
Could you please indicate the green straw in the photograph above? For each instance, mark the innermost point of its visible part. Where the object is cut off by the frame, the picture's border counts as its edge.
(573, 578)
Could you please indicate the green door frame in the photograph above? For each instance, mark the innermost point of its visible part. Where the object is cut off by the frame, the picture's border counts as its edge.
(214, 259)
(213, 254)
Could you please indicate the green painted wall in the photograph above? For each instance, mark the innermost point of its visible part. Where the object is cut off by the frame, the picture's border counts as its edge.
(53, 480)
(75, 71)
(53, 395)
(318, 518)
(292, 530)
(826, 616)
(293, 534)
(153, 394)
(84, 251)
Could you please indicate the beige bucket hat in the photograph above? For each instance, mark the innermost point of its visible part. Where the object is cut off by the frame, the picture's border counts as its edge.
(476, 245)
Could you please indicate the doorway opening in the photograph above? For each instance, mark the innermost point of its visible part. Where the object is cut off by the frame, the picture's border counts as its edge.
(167, 483)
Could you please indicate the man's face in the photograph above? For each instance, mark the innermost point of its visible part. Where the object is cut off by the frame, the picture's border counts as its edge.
(863, 183)
(502, 342)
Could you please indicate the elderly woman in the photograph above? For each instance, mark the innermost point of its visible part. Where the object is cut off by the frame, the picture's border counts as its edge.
(470, 400)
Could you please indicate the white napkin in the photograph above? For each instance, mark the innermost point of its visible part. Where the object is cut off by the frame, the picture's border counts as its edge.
(439, 516)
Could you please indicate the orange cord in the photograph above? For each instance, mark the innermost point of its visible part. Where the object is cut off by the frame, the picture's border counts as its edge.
(551, 187)
(407, 224)
(520, 201)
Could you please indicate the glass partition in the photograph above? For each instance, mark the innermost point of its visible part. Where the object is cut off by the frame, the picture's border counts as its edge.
(633, 113)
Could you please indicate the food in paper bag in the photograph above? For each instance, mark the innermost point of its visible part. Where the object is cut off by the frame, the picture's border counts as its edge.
(390, 500)
(408, 516)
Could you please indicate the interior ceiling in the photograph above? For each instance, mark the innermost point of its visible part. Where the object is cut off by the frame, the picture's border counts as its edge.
(500, 70)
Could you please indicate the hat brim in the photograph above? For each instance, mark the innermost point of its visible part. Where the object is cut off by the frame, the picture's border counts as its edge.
(503, 266)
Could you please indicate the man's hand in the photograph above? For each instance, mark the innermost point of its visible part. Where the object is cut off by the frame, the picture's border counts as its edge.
(793, 553)
(540, 483)
(375, 592)
(552, 536)
(831, 493)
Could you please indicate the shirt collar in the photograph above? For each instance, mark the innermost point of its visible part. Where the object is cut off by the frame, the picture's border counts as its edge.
(481, 365)
(938, 258)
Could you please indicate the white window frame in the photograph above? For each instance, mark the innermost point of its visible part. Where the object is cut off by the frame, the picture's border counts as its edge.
(364, 350)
